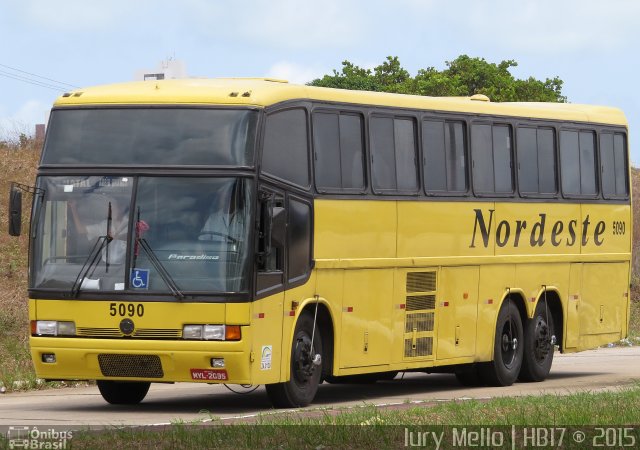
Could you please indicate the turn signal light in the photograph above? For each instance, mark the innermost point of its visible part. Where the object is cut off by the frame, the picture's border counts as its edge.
(232, 333)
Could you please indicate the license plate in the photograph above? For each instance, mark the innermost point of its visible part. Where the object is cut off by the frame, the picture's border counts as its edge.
(209, 374)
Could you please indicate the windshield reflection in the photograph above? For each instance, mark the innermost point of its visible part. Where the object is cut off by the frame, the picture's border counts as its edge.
(182, 235)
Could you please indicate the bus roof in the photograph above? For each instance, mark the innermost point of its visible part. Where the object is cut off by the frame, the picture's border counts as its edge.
(263, 92)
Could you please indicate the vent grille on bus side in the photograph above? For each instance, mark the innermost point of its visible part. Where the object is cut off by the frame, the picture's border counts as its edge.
(420, 322)
(138, 366)
(421, 281)
(417, 302)
(423, 347)
(420, 314)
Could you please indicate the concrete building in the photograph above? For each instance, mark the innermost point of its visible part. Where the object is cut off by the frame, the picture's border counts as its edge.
(166, 70)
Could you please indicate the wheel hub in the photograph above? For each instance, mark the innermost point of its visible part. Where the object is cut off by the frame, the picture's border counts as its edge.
(509, 343)
(304, 362)
(542, 340)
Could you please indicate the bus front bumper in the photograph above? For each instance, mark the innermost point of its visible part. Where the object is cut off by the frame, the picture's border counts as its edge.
(141, 360)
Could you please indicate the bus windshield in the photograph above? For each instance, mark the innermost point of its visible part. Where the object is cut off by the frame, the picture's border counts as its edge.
(151, 136)
(145, 235)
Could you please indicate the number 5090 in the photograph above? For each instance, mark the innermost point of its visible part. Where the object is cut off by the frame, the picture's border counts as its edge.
(126, 309)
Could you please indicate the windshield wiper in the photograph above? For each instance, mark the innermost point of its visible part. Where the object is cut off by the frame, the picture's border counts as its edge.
(102, 242)
(140, 228)
(89, 263)
(157, 264)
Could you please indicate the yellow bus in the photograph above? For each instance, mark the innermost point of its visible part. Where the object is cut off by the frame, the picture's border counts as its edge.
(250, 231)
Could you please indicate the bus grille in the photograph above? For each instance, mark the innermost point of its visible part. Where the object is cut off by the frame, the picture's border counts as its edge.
(424, 347)
(138, 366)
(146, 333)
(419, 322)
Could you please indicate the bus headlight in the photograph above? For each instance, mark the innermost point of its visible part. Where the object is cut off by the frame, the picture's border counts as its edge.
(53, 328)
(211, 332)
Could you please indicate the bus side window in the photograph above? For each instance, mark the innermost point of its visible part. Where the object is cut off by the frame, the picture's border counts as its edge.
(444, 157)
(613, 160)
(577, 163)
(270, 258)
(298, 240)
(491, 156)
(393, 154)
(285, 154)
(536, 161)
(339, 152)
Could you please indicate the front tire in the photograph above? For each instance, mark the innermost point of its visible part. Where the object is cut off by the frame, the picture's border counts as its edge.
(507, 349)
(538, 345)
(123, 392)
(305, 374)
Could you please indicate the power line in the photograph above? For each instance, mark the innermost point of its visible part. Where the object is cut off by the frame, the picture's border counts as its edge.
(30, 81)
(39, 76)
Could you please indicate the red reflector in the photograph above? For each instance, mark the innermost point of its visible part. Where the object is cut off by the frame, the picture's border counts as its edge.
(403, 306)
(347, 309)
(490, 301)
(465, 295)
(261, 316)
(533, 299)
(209, 374)
(292, 313)
(445, 303)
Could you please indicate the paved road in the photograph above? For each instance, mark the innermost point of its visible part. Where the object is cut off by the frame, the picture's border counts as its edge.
(166, 403)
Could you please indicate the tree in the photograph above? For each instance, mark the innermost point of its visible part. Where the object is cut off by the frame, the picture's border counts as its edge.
(464, 76)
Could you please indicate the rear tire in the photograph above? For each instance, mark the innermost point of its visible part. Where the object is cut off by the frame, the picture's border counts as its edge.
(304, 376)
(507, 350)
(538, 349)
(123, 392)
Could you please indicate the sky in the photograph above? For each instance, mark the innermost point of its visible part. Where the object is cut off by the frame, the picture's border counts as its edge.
(50, 46)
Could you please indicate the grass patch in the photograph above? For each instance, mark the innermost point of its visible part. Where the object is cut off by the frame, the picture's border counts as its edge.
(371, 427)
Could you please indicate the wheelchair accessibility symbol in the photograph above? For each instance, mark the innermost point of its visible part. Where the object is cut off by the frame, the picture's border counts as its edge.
(139, 279)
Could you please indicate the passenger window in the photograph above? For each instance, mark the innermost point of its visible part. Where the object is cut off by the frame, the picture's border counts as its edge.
(285, 153)
(338, 150)
(613, 160)
(444, 156)
(536, 161)
(393, 155)
(491, 156)
(577, 163)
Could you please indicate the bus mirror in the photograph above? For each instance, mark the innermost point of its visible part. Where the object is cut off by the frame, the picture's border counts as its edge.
(278, 226)
(15, 211)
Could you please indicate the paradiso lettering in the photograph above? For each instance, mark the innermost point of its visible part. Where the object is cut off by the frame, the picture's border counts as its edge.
(522, 232)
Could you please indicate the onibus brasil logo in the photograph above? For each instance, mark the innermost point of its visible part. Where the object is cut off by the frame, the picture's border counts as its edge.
(24, 437)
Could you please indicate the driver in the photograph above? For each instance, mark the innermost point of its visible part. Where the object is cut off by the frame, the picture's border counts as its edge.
(116, 230)
(216, 227)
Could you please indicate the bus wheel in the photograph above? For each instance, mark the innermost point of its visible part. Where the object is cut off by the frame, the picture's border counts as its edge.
(507, 349)
(123, 392)
(538, 345)
(305, 371)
